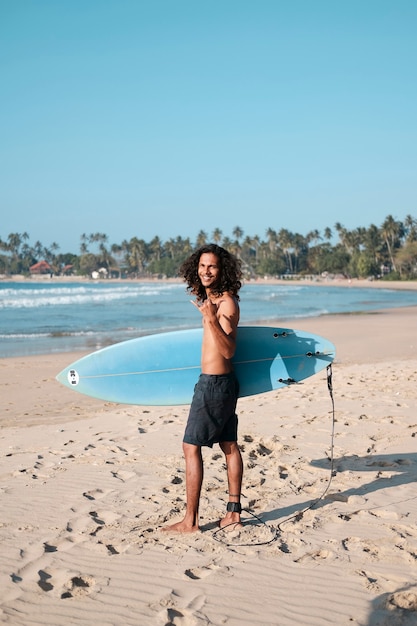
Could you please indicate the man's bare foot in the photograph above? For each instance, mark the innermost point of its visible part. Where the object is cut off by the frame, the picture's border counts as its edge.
(181, 527)
(231, 521)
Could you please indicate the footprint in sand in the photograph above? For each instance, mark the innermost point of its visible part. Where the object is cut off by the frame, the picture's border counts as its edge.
(196, 573)
(174, 615)
(371, 583)
(260, 450)
(404, 600)
(95, 494)
(44, 581)
(123, 475)
(317, 555)
(78, 586)
(101, 518)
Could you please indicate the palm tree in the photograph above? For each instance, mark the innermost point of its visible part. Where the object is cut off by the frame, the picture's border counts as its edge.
(410, 227)
(342, 232)
(116, 249)
(117, 252)
(105, 259)
(391, 231)
(14, 241)
(155, 247)
(217, 236)
(136, 254)
(272, 239)
(300, 247)
(84, 244)
(285, 240)
(255, 242)
(373, 243)
(201, 239)
(238, 233)
(99, 238)
(227, 243)
(313, 235)
(406, 258)
(328, 233)
(38, 250)
(50, 255)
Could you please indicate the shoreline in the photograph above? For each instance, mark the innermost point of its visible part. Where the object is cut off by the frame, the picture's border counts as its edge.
(316, 281)
(38, 341)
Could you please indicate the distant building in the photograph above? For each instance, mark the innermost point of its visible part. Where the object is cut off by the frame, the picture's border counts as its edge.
(42, 267)
(67, 270)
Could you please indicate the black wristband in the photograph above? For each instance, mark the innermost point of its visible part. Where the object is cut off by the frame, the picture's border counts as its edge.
(234, 507)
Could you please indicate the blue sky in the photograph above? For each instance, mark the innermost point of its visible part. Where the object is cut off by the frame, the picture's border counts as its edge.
(167, 117)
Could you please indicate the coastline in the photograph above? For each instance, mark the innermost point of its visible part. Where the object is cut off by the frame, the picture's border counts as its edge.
(70, 328)
(86, 486)
(320, 281)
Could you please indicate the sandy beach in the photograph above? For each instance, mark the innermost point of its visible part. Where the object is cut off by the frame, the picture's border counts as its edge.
(86, 487)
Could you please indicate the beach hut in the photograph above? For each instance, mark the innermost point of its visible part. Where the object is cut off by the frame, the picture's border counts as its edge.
(67, 270)
(42, 267)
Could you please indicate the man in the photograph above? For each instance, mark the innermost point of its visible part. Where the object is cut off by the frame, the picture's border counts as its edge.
(213, 275)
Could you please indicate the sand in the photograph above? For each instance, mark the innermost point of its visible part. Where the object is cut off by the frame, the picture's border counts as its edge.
(86, 486)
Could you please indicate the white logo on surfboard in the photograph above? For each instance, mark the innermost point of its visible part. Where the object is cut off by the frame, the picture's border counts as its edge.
(73, 377)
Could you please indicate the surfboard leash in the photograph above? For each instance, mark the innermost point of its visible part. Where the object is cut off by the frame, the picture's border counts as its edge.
(274, 537)
(299, 515)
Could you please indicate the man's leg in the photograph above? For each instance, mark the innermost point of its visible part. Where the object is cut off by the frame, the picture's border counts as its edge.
(193, 482)
(234, 465)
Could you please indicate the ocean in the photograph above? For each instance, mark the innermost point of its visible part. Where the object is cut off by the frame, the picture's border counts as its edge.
(49, 317)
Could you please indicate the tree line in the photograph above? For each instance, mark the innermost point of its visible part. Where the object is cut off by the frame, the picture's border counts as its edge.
(387, 251)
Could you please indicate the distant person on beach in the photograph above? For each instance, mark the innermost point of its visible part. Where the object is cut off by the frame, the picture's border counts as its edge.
(213, 276)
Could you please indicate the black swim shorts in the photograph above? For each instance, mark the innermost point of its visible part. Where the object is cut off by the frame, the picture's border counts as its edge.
(212, 416)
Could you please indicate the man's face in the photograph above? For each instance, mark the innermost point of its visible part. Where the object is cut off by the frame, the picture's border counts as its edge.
(208, 269)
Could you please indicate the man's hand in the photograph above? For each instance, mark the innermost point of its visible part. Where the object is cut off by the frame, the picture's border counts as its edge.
(207, 309)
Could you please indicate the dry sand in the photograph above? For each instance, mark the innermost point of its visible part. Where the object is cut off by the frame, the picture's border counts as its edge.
(86, 486)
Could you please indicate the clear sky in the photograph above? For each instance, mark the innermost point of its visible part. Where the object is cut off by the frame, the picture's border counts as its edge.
(167, 117)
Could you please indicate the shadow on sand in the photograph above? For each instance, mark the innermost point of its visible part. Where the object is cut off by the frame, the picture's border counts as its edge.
(402, 469)
(398, 608)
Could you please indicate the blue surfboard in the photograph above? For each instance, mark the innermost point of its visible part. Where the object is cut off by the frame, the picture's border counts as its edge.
(162, 369)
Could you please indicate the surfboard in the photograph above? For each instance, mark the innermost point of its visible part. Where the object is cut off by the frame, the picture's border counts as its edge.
(162, 369)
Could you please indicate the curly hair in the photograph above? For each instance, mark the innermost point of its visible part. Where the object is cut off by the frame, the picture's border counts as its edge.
(229, 277)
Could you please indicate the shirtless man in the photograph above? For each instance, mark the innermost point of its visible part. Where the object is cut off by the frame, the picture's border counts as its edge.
(213, 276)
